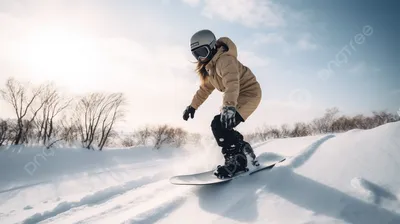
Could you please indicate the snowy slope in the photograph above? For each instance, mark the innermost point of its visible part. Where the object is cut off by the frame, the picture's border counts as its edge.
(340, 178)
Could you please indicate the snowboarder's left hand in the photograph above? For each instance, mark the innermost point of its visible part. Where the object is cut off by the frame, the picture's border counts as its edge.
(228, 115)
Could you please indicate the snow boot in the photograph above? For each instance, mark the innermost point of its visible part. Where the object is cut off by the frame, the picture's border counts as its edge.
(235, 162)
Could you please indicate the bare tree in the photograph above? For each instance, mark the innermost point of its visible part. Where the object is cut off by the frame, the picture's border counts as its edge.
(323, 125)
(3, 131)
(358, 121)
(301, 129)
(12, 130)
(68, 129)
(112, 139)
(112, 112)
(383, 117)
(161, 134)
(285, 131)
(139, 137)
(262, 133)
(128, 141)
(343, 123)
(22, 101)
(96, 116)
(142, 135)
(89, 109)
(268, 132)
(274, 133)
(179, 136)
(53, 105)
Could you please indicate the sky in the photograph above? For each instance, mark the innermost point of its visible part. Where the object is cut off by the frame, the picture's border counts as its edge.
(307, 55)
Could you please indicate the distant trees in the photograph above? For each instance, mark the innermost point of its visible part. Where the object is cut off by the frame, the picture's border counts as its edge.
(301, 129)
(159, 135)
(142, 135)
(344, 122)
(44, 115)
(285, 131)
(8, 131)
(3, 131)
(330, 122)
(324, 124)
(165, 134)
(383, 117)
(68, 129)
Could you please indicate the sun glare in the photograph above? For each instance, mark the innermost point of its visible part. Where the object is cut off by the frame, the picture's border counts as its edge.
(60, 55)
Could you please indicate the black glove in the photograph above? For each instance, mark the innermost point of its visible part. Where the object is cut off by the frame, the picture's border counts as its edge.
(189, 110)
(228, 115)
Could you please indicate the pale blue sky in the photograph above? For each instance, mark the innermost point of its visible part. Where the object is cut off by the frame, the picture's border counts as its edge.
(142, 49)
(370, 80)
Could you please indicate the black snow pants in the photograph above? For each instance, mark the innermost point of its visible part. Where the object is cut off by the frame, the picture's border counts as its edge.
(226, 137)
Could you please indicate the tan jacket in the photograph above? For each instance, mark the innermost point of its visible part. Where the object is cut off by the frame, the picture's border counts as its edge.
(226, 74)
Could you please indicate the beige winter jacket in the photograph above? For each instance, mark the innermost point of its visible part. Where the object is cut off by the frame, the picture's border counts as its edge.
(226, 74)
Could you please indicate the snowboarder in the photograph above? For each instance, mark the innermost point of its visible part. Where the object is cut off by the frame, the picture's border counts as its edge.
(219, 68)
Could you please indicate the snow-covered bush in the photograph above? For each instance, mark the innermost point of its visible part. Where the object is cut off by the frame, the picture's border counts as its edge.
(300, 130)
(164, 134)
(158, 136)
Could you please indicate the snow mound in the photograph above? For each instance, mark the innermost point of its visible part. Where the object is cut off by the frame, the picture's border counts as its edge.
(349, 177)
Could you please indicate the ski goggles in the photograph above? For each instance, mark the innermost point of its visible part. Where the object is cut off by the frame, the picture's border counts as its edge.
(201, 52)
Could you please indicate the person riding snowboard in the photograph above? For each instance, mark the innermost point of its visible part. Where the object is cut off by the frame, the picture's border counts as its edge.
(219, 68)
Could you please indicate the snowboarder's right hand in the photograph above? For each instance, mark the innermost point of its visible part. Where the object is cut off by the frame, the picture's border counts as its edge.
(188, 111)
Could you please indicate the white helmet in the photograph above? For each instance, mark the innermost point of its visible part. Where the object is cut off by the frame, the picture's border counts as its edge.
(202, 45)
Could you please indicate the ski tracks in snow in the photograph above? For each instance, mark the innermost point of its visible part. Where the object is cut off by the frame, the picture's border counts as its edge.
(144, 200)
(306, 154)
(145, 204)
(88, 200)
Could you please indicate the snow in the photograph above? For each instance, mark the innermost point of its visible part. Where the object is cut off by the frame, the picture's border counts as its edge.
(350, 177)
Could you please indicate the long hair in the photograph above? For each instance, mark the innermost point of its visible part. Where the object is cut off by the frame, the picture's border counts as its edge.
(201, 67)
(202, 72)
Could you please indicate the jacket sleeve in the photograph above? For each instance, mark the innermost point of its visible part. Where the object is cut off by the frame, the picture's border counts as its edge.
(202, 94)
(228, 68)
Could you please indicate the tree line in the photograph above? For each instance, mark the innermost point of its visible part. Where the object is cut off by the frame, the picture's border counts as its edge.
(330, 122)
(160, 135)
(44, 115)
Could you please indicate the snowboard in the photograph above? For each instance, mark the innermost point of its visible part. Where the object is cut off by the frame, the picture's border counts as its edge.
(266, 161)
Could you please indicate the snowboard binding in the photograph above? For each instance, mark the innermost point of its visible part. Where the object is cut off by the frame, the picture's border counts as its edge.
(230, 169)
(235, 162)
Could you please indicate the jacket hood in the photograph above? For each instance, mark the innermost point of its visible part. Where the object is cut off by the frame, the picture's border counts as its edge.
(226, 47)
(232, 50)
